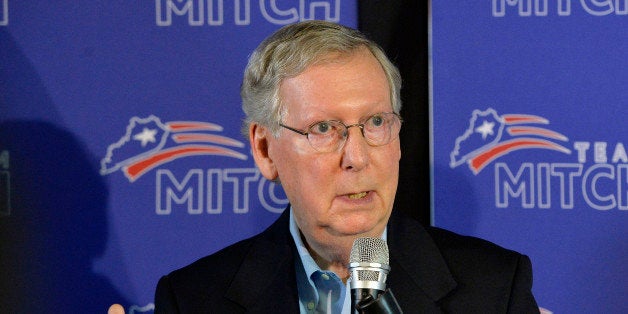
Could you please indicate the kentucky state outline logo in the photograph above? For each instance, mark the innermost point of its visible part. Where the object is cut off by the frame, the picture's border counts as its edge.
(491, 136)
(149, 143)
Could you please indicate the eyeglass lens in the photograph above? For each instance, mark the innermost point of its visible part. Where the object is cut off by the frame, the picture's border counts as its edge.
(379, 129)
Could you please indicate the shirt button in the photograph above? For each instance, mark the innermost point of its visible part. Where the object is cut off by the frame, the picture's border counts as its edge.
(310, 306)
(325, 276)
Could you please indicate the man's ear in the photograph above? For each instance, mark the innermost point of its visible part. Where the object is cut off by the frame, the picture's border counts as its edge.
(259, 137)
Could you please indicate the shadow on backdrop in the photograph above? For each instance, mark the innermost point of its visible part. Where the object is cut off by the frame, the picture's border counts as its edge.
(56, 223)
(457, 205)
(56, 226)
(22, 93)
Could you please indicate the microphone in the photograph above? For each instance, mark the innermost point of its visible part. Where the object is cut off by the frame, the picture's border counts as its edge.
(368, 265)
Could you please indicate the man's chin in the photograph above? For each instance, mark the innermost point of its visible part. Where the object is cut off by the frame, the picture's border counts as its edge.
(358, 229)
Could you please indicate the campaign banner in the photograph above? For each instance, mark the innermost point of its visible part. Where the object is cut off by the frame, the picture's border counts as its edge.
(121, 157)
(529, 148)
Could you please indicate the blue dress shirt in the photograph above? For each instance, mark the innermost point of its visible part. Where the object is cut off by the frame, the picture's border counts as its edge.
(320, 291)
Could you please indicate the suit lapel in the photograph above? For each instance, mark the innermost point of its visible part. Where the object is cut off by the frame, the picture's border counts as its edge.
(419, 276)
(266, 281)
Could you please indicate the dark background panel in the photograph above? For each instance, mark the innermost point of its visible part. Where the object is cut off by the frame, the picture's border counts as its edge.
(401, 28)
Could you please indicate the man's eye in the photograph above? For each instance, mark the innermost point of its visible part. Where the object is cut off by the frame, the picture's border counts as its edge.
(321, 127)
(377, 121)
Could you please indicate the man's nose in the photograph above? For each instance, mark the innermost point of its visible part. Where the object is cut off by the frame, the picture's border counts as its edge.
(355, 150)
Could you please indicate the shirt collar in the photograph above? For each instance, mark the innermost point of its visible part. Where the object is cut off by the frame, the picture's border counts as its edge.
(309, 265)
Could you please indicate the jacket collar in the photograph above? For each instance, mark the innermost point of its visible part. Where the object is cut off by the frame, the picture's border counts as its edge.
(266, 281)
(416, 264)
(419, 275)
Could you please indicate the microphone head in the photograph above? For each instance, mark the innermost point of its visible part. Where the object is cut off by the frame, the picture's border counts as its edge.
(368, 264)
(369, 250)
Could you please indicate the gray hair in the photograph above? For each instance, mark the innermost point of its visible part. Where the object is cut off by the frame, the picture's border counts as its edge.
(287, 53)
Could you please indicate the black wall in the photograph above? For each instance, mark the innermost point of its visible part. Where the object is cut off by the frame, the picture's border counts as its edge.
(401, 28)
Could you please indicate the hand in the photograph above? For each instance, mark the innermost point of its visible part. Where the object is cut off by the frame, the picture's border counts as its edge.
(115, 309)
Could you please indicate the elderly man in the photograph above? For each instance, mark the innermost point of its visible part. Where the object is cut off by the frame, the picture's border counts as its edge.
(322, 116)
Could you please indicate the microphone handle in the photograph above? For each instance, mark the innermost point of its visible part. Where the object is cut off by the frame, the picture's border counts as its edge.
(385, 303)
(359, 294)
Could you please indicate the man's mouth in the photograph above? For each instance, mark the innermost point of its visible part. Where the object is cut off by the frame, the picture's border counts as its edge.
(357, 195)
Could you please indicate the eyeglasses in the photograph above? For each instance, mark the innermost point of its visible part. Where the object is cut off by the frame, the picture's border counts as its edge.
(331, 135)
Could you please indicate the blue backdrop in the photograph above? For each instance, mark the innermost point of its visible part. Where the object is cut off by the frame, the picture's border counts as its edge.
(120, 153)
(121, 158)
(529, 143)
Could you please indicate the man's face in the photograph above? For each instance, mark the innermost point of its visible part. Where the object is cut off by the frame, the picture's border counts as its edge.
(350, 191)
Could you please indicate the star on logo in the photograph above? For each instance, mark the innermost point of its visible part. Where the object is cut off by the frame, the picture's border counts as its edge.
(485, 129)
(146, 136)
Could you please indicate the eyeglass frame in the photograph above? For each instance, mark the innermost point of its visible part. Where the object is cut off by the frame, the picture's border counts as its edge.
(344, 138)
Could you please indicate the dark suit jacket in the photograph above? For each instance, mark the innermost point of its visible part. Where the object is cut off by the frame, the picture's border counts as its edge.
(432, 271)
